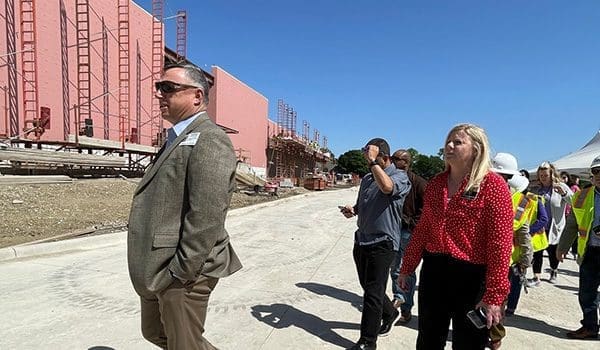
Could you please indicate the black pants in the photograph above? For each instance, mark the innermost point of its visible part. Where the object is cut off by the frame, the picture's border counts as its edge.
(373, 267)
(538, 258)
(448, 289)
(589, 280)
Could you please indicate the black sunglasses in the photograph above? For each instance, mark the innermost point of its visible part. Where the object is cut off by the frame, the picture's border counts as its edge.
(396, 159)
(595, 171)
(167, 87)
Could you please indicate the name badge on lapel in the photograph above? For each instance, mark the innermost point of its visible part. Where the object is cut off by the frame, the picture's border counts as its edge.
(191, 139)
(470, 195)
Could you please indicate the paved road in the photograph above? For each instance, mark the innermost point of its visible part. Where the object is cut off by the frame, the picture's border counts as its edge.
(298, 290)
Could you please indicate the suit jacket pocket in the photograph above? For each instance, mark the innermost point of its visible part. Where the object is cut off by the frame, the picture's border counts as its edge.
(165, 240)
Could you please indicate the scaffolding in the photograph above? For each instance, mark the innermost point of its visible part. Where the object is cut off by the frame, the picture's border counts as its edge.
(29, 76)
(124, 76)
(181, 35)
(156, 122)
(292, 156)
(105, 91)
(64, 62)
(84, 105)
(27, 109)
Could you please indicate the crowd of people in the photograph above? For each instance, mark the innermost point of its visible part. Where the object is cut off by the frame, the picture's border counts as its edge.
(478, 227)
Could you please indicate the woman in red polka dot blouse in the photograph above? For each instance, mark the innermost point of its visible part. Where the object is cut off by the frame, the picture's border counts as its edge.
(464, 238)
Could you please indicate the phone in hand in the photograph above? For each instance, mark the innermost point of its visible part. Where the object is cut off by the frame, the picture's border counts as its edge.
(341, 207)
(478, 318)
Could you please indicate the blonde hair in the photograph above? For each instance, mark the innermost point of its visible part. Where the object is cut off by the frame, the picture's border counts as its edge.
(553, 172)
(481, 146)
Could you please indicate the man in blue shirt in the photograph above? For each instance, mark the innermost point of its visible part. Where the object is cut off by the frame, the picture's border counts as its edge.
(377, 239)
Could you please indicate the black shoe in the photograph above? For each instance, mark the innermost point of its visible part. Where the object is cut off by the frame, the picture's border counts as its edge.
(582, 333)
(387, 324)
(406, 317)
(363, 346)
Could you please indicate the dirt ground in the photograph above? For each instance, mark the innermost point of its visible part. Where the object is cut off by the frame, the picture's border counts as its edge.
(47, 211)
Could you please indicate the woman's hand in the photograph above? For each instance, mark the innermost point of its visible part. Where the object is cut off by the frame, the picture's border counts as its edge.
(402, 282)
(493, 313)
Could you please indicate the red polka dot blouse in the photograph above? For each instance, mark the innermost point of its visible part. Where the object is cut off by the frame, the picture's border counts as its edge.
(474, 228)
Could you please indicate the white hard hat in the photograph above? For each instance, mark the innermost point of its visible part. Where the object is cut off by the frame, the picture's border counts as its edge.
(505, 163)
(518, 182)
(595, 162)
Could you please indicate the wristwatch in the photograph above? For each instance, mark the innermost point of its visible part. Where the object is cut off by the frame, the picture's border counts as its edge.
(373, 162)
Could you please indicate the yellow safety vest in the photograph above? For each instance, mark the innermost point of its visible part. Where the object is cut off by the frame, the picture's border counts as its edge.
(522, 205)
(583, 208)
(539, 240)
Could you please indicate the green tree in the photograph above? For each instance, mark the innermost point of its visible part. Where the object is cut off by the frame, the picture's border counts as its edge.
(352, 161)
(427, 166)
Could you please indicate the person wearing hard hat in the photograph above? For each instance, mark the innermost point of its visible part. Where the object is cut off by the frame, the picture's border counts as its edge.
(505, 165)
(584, 223)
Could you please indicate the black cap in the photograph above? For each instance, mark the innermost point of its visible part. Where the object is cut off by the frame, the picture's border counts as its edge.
(382, 144)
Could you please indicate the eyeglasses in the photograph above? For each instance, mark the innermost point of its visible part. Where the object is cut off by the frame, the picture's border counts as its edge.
(396, 159)
(596, 171)
(167, 87)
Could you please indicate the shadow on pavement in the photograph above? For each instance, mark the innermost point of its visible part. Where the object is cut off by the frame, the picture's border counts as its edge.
(531, 324)
(567, 273)
(101, 348)
(282, 316)
(569, 288)
(340, 294)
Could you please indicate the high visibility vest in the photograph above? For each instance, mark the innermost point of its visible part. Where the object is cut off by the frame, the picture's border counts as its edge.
(582, 205)
(522, 205)
(539, 240)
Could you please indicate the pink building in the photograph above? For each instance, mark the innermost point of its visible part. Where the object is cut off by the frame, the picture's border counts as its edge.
(61, 78)
(235, 105)
(78, 75)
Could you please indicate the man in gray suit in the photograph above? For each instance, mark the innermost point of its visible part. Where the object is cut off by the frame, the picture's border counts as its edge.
(178, 247)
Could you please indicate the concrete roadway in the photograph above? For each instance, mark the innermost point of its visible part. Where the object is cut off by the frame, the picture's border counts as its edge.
(298, 290)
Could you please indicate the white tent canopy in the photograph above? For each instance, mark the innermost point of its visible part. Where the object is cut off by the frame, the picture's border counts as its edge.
(578, 162)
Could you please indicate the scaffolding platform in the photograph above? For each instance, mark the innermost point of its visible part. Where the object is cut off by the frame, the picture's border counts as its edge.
(110, 144)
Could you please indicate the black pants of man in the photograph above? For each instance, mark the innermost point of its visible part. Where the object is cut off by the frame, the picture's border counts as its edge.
(448, 289)
(589, 280)
(538, 258)
(373, 267)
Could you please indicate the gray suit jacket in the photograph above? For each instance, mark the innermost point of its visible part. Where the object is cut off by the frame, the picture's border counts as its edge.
(177, 219)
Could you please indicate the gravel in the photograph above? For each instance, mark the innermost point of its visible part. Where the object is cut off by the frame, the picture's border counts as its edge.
(52, 211)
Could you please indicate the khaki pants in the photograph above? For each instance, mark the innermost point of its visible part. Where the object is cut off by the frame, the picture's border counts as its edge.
(175, 319)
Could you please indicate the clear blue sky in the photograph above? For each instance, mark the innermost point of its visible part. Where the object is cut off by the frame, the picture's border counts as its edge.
(528, 72)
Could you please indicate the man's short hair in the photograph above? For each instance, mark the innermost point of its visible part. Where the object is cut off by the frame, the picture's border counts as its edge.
(195, 75)
(384, 147)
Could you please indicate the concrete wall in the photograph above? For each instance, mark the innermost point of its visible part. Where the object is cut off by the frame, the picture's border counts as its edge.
(236, 105)
(50, 72)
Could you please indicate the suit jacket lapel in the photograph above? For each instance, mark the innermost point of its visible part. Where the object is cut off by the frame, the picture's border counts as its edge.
(164, 153)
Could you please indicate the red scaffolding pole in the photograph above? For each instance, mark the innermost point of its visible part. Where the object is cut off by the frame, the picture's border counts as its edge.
(29, 62)
(156, 121)
(124, 120)
(11, 60)
(82, 21)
